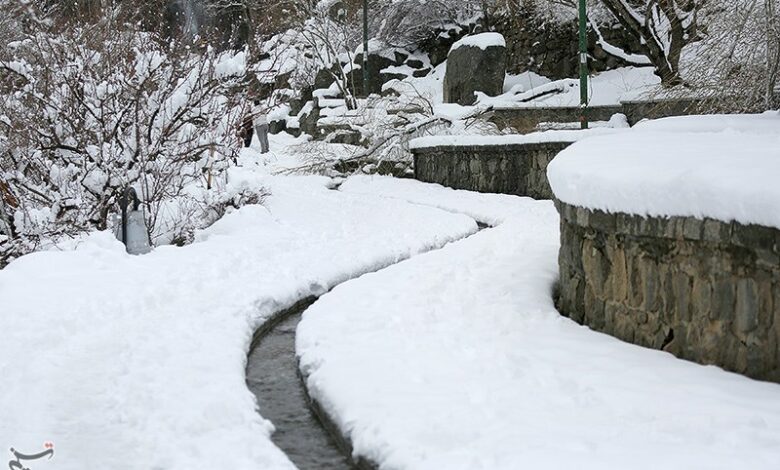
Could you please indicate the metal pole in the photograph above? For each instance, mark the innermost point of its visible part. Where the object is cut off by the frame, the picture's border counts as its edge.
(365, 48)
(583, 65)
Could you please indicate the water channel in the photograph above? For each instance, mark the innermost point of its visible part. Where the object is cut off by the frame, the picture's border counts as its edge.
(272, 375)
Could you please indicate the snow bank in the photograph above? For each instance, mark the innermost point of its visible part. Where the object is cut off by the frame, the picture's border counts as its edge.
(138, 362)
(464, 363)
(487, 208)
(482, 41)
(723, 167)
(509, 139)
(604, 89)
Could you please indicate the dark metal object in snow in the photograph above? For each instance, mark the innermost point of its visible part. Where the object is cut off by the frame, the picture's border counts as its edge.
(133, 233)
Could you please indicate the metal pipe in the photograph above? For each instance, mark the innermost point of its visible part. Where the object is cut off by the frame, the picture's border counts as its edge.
(365, 48)
(583, 64)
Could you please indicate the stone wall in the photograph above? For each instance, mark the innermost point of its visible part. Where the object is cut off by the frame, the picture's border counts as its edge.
(519, 169)
(528, 119)
(704, 290)
(635, 111)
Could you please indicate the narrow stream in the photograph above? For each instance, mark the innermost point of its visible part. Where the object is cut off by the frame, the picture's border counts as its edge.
(272, 375)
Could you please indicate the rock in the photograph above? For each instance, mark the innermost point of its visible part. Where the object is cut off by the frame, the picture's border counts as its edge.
(275, 127)
(421, 73)
(415, 63)
(376, 63)
(323, 79)
(345, 137)
(386, 77)
(296, 104)
(308, 121)
(400, 57)
(307, 93)
(475, 63)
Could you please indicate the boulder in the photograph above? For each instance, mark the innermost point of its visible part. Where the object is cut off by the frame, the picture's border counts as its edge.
(296, 104)
(308, 118)
(475, 63)
(415, 63)
(275, 127)
(376, 63)
(323, 79)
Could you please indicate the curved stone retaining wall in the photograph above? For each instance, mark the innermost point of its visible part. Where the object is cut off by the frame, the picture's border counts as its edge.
(704, 290)
(528, 119)
(519, 169)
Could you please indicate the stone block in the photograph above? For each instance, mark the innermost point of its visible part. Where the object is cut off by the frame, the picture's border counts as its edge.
(767, 259)
(682, 294)
(715, 231)
(701, 297)
(746, 314)
(583, 217)
(602, 221)
(725, 296)
(650, 285)
(754, 236)
(692, 228)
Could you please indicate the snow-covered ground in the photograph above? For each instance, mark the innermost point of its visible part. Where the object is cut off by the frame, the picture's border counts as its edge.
(604, 89)
(457, 359)
(138, 362)
(723, 167)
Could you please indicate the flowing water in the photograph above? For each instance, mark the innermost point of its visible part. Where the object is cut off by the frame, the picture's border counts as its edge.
(272, 375)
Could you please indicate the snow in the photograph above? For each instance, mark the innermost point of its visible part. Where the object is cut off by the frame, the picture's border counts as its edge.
(399, 69)
(604, 89)
(457, 359)
(524, 81)
(482, 41)
(380, 48)
(637, 59)
(508, 139)
(721, 167)
(138, 362)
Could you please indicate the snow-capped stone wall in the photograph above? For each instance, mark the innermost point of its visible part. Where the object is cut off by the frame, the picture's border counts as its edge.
(519, 169)
(702, 289)
(528, 118)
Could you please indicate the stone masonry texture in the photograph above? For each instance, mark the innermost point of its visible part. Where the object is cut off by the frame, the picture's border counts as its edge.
(704, 290)
(519, 169)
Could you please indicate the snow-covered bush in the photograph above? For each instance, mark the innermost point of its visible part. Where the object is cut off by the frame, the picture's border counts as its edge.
(87, 111)
(736, 62)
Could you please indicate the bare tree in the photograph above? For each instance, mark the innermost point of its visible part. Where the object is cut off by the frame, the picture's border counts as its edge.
(89, 110)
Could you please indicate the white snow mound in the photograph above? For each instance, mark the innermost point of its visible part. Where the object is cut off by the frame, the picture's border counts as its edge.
(721, 167)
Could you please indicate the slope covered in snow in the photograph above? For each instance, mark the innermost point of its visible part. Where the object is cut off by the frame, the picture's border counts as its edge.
(138, 362)
(464, 363)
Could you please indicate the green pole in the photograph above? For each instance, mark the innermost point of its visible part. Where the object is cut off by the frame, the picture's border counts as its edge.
(365, 48)
(583, 65)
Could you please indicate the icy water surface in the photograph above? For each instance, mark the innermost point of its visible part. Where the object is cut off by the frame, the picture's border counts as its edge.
(272, 375)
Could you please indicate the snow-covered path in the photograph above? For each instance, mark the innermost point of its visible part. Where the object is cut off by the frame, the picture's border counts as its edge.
(139, 362)
(457, 359)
